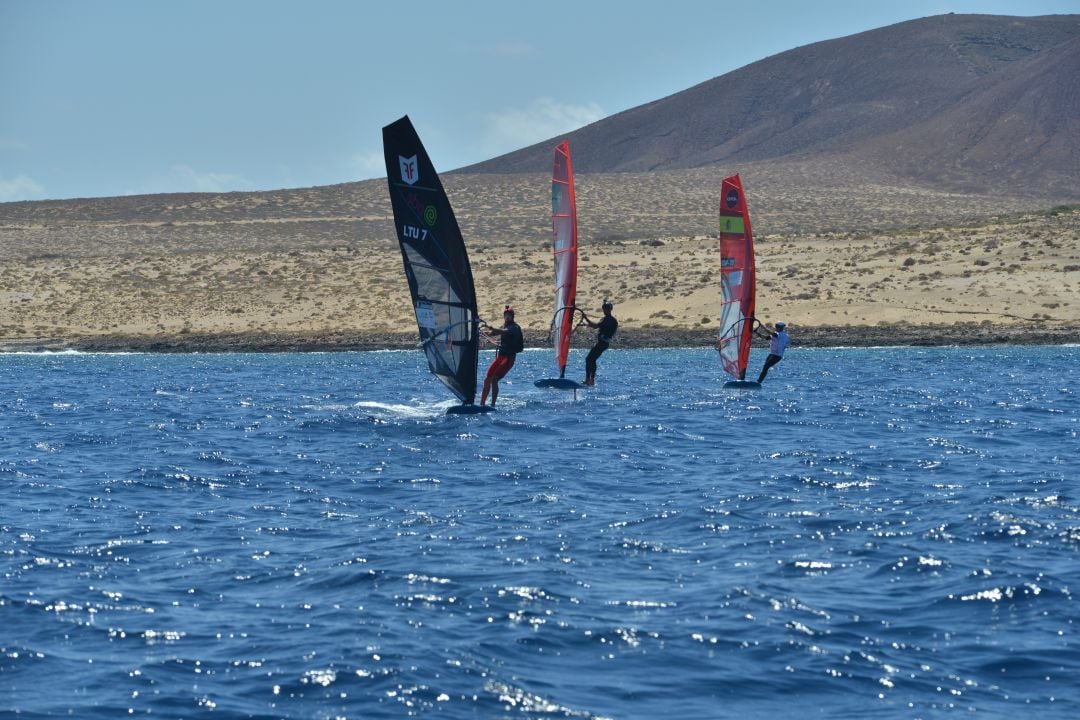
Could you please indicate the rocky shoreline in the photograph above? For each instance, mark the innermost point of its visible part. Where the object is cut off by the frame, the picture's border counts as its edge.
(343, 341)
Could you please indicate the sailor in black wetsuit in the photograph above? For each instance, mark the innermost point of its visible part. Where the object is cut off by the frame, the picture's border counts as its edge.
(607, 326)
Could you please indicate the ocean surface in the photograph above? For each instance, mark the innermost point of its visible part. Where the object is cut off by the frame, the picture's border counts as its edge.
(886, 533)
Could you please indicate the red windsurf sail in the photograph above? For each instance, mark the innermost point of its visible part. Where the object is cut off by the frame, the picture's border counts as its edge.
(737, 279)
(565, 246)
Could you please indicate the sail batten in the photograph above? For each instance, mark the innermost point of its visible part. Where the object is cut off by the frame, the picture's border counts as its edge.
(436, 264)
(737, 279)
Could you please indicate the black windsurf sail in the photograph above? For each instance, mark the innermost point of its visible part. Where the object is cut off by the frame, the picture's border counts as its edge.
(436, 265)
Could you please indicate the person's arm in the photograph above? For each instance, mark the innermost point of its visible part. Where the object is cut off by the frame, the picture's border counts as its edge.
(491, 330)
(757, 326)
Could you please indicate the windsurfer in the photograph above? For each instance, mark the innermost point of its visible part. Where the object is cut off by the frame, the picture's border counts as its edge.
(779, 342)
(608, 325)
(512, 343)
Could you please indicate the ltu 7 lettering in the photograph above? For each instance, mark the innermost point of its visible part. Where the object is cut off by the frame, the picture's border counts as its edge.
(413, 233)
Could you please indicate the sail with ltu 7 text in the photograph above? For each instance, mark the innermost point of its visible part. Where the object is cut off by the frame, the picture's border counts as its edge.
(737, 283)
(436, 264)
(564, 244)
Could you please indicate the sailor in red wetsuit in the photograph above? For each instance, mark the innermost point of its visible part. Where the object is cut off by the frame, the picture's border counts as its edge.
(512, 343)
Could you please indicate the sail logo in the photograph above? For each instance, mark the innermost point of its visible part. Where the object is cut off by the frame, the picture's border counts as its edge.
(425, 315)
(732, 198)
(431, 215)
(410, 172)
(732, 225)
(414, 202)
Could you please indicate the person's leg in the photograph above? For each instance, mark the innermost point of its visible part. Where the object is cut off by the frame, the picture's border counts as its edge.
(488, 379)
(498, 372)
(601, 347)
(769, 362)
(590, 362)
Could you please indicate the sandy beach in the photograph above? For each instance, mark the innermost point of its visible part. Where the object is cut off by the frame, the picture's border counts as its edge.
(319, 269)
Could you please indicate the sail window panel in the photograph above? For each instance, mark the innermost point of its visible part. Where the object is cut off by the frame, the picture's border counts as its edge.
(560, 199)
(431, 281)
(564, 275)
(417, 258)
(731, 322)
(563, 238)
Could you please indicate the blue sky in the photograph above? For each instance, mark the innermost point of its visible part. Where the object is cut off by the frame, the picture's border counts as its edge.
(117, 97)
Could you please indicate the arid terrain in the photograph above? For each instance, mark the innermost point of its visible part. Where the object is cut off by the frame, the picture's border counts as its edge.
(911, 184)
(842, 259)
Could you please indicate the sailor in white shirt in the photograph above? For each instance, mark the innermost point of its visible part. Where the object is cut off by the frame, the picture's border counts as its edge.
(778, 344)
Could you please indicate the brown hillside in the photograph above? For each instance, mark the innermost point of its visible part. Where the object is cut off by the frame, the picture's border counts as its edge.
(927, 78)
(1023, 131)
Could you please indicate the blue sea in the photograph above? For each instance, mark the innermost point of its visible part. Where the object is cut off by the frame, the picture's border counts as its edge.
(884, 532)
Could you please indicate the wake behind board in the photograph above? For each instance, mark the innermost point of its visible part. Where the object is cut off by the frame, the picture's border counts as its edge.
(742, 385)
(469, 409)
(559, 384)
